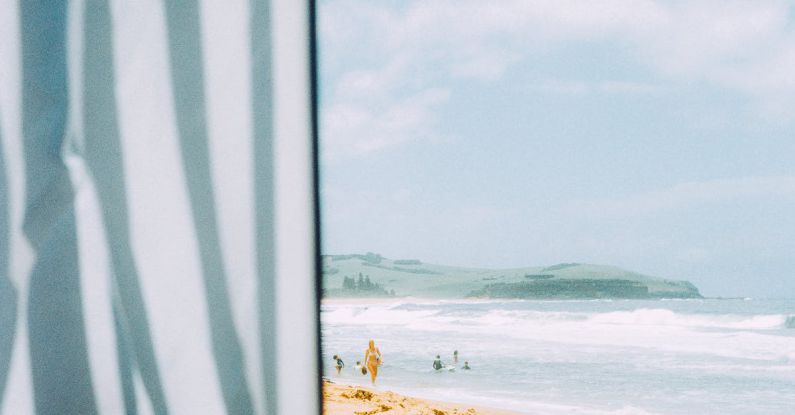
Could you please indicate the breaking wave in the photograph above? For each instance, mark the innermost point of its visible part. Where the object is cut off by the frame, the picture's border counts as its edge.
(663, 317)
(398, 315)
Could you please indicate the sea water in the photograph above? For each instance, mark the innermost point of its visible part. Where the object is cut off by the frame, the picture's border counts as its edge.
(576, 357)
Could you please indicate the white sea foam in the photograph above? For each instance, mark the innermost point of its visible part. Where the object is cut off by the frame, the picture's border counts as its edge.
(598, 358)
(374, 315)
(390, 314)
(728, 335)
(665, 317)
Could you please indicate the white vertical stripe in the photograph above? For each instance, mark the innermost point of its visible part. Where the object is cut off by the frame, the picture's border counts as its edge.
(74, 73)
(21, 255)
(296, 319)
(18, 398)
(227, 75)
(144, 404)
(164, 240)
(95, 280)
(95, 272)
(163, 237)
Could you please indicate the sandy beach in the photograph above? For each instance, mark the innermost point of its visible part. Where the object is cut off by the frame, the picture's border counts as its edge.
(340, 399)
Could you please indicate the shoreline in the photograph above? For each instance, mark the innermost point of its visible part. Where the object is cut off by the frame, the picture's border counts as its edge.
(429, 300)
(351, 399)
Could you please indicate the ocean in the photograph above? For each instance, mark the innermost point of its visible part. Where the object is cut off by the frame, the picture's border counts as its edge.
(711, 356)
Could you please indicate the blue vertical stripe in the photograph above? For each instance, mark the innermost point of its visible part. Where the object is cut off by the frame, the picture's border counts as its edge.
(126, 362)
(187, 73)
(262, 114)
(56, 330)
(103, 155)
(8, 293)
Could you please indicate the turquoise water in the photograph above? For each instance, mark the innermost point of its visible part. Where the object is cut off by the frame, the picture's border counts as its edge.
(578, 357)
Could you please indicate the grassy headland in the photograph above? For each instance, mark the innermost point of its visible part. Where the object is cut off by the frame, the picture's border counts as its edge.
(371, 275)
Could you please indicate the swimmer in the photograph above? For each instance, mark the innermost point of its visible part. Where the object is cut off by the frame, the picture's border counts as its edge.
(372, 358)
(466, 366)
(358, 368)
(340, 364)
(437, 364)
(455, 357)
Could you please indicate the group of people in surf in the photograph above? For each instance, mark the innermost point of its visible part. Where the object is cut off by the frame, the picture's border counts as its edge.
(438, 365)
(372, 360)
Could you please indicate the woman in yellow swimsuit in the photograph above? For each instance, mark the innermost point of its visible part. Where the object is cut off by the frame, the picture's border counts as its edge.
(372, 359)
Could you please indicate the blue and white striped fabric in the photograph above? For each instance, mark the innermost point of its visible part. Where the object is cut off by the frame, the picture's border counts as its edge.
(157, 234)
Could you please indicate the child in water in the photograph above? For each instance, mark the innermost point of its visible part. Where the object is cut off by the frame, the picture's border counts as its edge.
(466, 366)
(437, 364)
(359, 368)
(340, 364)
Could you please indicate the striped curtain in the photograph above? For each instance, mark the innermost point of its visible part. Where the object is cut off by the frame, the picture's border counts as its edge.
(157, 199)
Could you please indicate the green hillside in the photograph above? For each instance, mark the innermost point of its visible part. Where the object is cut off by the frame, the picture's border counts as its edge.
(371, 275)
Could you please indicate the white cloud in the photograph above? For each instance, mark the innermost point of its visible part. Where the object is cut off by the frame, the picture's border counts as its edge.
(354, 129)
(737, 44)
(486, 65)
(383, 58)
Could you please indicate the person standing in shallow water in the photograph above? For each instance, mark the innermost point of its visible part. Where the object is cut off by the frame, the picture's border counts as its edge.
(340, 364)
(455, 357)
(372, 359)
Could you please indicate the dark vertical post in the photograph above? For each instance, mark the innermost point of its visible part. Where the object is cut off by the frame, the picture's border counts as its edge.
(314, 67)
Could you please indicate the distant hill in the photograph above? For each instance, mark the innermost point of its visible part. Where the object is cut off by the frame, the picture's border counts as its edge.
(371, 275)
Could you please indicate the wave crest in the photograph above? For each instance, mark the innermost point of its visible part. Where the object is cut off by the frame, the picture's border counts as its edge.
(664, 317)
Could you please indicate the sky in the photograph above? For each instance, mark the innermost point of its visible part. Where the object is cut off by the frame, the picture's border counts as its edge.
(657, 136)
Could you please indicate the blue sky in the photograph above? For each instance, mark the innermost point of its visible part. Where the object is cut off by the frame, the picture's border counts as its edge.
(658, 136)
